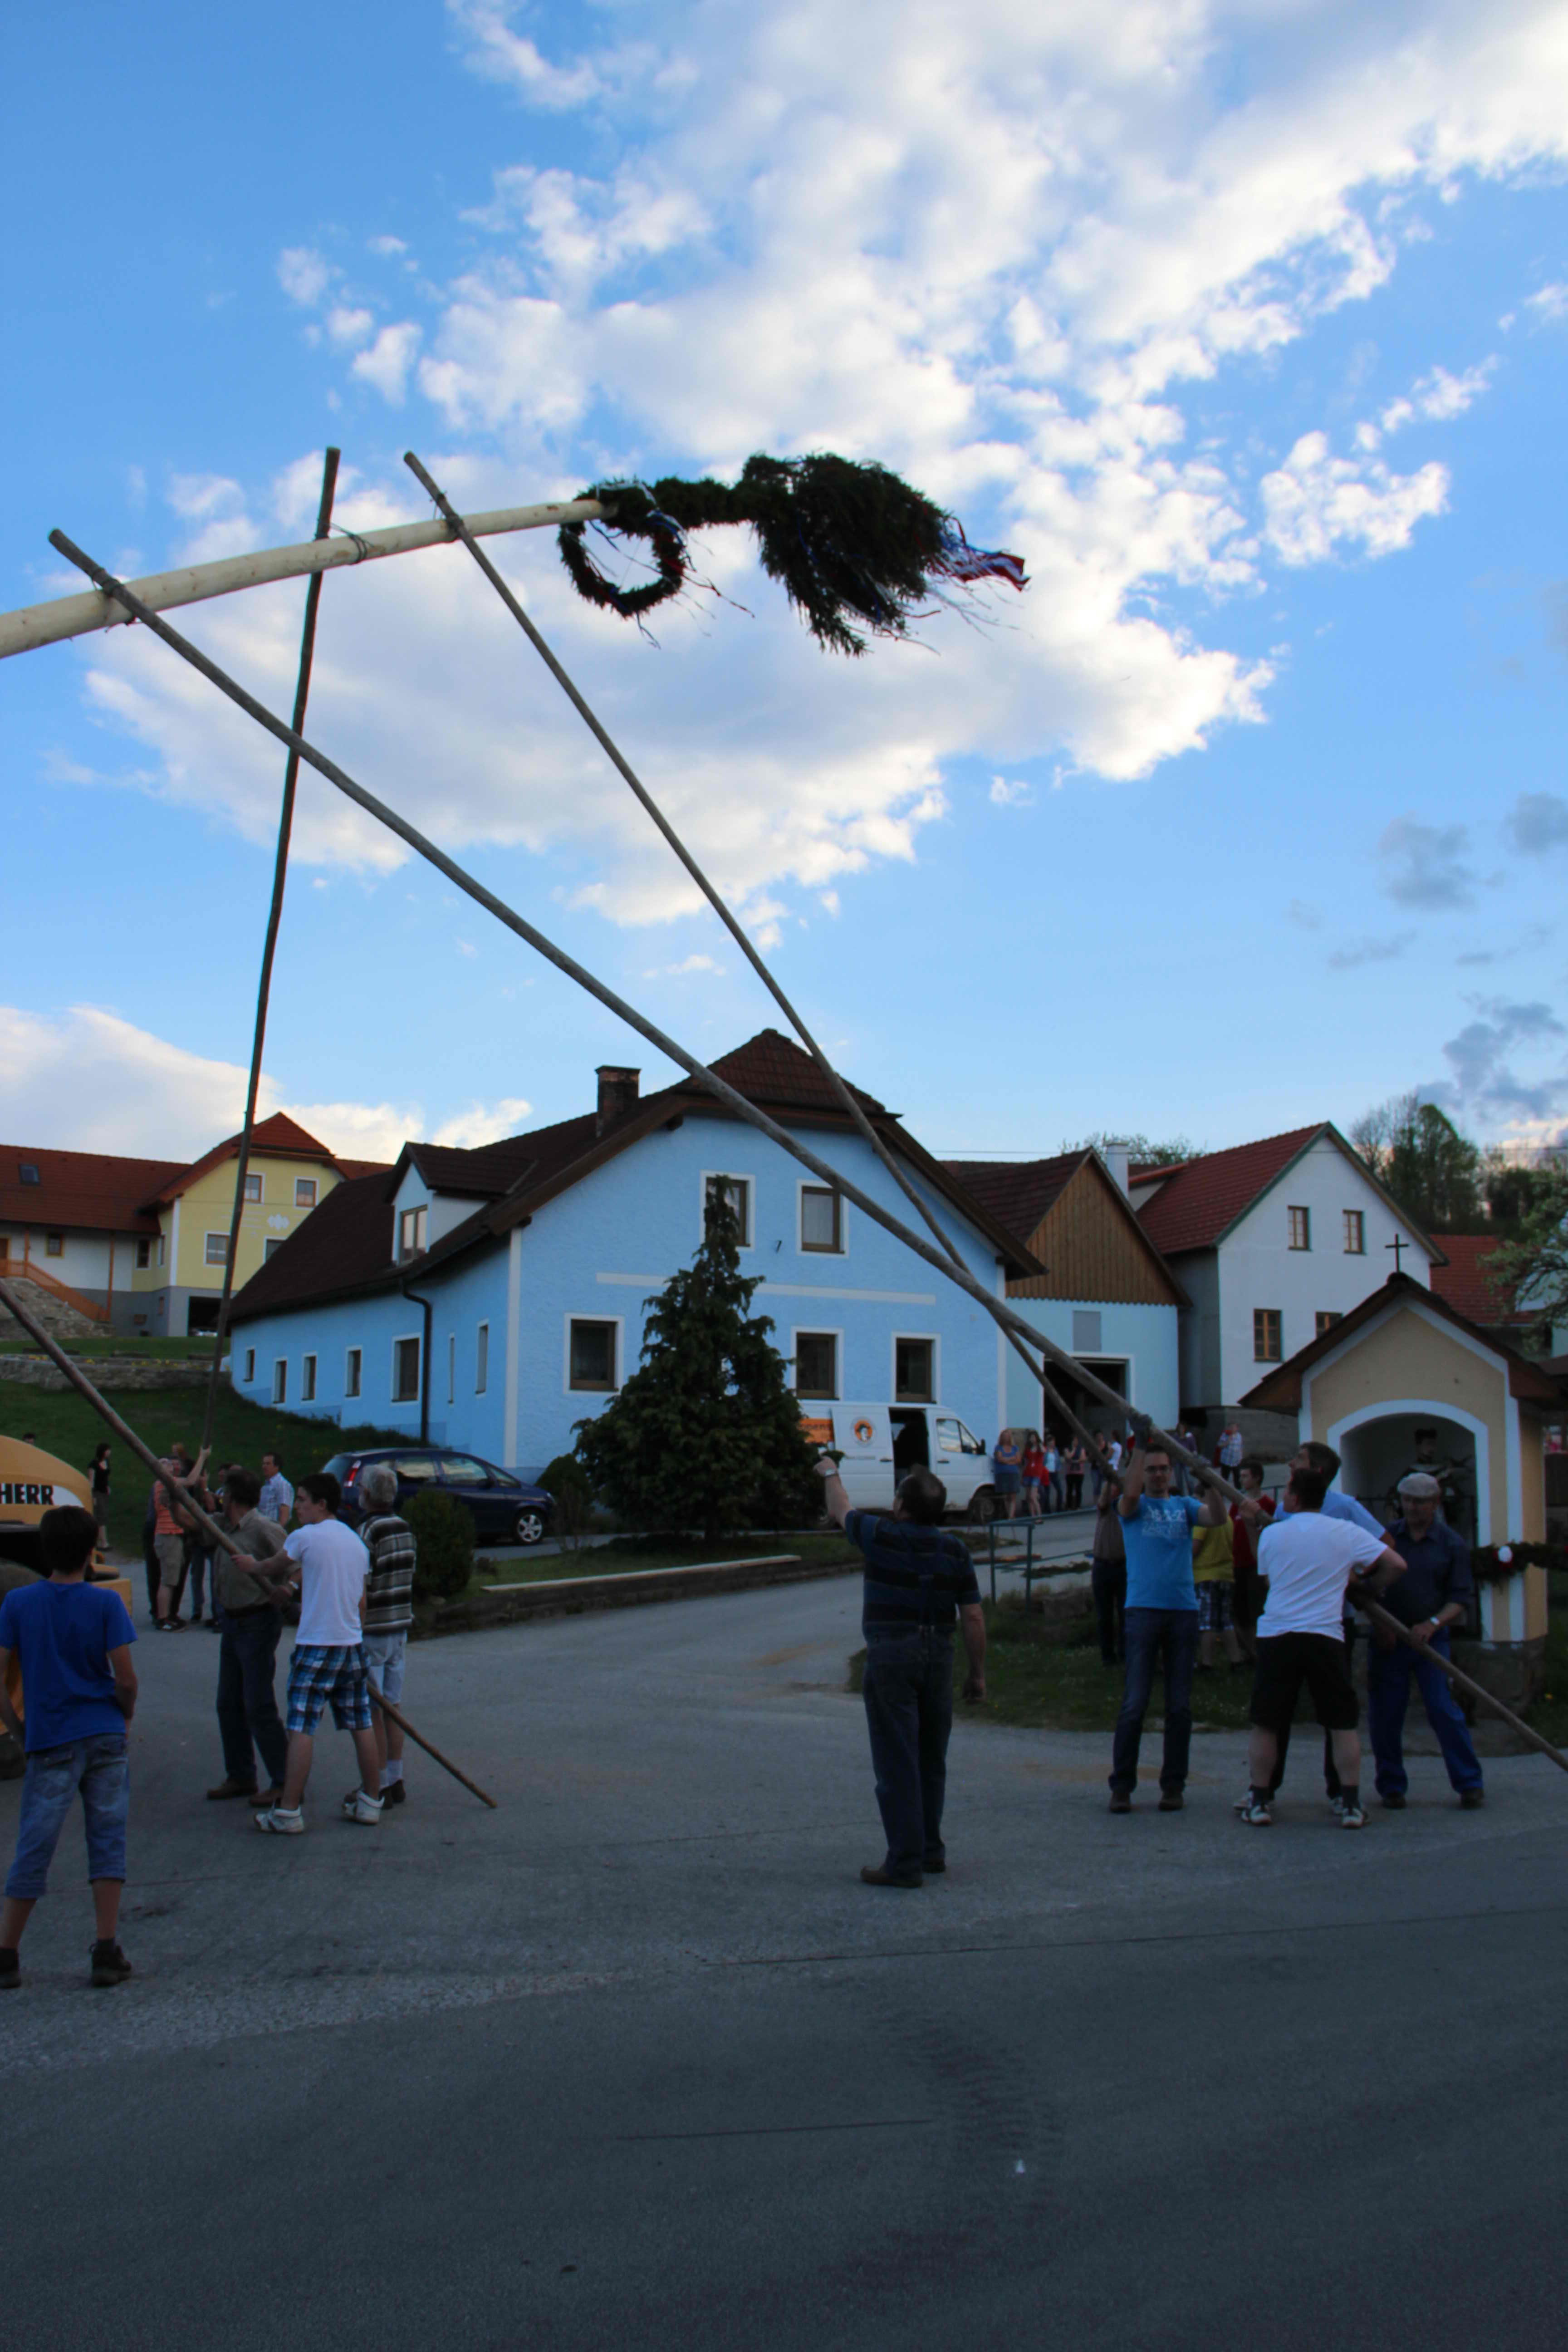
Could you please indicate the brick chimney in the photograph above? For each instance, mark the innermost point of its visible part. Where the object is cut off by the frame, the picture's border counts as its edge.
(618, 1091)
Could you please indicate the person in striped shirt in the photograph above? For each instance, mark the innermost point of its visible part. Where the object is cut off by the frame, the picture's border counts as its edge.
(388, 1612)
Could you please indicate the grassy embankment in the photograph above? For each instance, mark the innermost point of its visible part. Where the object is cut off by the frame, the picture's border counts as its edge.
(66, 1424)
(626, 1555)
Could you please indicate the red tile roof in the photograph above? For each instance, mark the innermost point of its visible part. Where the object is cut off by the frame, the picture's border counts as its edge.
(1019, 1192)
(278, 1134)
(1203, 1199)
(1466, 1284)
(510, 1179)
(94, 1192)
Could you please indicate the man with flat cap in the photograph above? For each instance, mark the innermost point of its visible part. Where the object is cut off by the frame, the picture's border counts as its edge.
(1434, 1593)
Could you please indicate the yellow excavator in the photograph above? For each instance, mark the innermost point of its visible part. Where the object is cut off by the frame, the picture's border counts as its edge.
(31, 1482)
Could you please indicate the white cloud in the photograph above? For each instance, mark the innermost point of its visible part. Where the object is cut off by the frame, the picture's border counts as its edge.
(995, 248)
(388, 248)
(1315, 503)
(347, 327)
(1435, 398)
(1549, 305)
(388, 360)
(1427, 865)
(304, 275)
(1004, 793)
(89, 1080)
(688, 964)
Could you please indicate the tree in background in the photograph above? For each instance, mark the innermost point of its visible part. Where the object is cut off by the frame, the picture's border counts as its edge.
(1140, 1151)
(1535, 1263)
(705, 1434)
(1417, 1153)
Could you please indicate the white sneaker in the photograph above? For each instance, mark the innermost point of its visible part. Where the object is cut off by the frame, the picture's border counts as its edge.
(1337, 1806)
(358, 1807)
(277, 1820)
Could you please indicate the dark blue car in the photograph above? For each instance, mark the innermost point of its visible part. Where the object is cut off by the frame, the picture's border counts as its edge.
(506, 1508)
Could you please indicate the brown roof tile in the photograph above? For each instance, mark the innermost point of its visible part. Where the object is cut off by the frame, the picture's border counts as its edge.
(94, 1191)
(1464, 1283)
(1203, 1198)
(1017, 1193)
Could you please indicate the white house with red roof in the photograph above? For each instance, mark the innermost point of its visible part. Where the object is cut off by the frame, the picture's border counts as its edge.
(1272, 1241)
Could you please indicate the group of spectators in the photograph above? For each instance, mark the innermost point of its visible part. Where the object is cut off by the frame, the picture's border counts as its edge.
(1032, 1473)
(72, 1638)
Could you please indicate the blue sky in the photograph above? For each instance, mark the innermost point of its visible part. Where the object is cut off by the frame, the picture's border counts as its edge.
(1243, 325)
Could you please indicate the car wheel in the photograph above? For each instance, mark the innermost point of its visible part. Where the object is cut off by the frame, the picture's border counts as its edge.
(528, 1526)
(983, 1508)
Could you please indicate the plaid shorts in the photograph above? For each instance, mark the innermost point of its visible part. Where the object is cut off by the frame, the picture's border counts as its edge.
(316, 1675)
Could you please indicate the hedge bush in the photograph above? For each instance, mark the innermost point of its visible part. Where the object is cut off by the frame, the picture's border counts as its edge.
(444, 1532)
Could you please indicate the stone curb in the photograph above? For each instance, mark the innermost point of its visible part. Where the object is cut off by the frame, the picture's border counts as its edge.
(575, 1596)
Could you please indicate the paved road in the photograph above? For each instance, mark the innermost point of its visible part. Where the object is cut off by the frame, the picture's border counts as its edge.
(636, 2062)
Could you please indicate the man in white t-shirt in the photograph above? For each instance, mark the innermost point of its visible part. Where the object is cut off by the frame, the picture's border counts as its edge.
(328, 1663)
(1308, 1561)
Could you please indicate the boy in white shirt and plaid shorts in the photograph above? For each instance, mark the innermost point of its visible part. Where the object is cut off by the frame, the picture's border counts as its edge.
(328, 1667)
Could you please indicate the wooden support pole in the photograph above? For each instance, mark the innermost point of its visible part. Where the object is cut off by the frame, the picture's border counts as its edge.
(613, 1003)
(1483, 1697)
(78, 616)
(219, 1534)
(269, 944)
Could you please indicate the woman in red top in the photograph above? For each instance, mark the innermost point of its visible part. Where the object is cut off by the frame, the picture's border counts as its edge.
(1033, 1465)
(1247, 1604)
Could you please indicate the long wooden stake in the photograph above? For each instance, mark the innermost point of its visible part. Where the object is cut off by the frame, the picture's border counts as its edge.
(270, 945)
(1483, 1697)
(720, 1088)
(846, 1098)
(209, 1526)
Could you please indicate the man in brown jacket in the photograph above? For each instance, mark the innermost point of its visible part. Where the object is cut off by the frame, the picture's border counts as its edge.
(247, 1717)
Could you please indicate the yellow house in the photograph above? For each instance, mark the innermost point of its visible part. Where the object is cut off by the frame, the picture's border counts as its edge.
(1405, 1379)
(140, 1245)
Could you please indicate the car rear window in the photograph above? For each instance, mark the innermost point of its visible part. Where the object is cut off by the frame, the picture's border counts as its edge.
(337, 1466)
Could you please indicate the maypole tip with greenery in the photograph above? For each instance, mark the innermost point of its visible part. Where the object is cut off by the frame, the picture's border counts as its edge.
(847, 542)
(707, 1433)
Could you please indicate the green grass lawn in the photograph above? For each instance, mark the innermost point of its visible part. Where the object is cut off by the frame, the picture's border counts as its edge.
(66, 1424)
(125, 1343)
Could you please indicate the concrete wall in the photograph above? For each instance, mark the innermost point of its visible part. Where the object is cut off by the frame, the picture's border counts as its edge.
(598, 1251)
(1143, 1338)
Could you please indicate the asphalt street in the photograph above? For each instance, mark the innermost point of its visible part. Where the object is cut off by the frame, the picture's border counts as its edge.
(636, 2061)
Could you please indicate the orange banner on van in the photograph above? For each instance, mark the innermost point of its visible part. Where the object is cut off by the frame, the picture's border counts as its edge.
(818, 1432)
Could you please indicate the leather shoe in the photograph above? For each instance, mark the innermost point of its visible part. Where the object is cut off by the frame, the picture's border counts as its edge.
(1119, 1803)
(1171, 1801)
(880, 1876)
(1393, 1802)
(233, 1789)
(1471, 1800)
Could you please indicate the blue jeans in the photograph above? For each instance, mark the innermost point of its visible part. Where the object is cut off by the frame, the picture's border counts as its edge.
(1167, 1638)
(908, 1713)
(98, 1767)
(247, 1717)
(1388, 1674)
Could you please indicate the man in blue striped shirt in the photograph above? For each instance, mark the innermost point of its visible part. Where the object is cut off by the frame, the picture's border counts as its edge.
(920, 1583)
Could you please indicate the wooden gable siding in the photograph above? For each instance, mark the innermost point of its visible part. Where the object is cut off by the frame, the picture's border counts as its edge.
(1091, 1248)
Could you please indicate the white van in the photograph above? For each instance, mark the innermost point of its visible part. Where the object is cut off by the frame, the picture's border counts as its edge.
(880, 1441)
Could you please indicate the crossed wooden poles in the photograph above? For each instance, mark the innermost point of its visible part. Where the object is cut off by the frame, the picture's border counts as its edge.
(1032, 1344)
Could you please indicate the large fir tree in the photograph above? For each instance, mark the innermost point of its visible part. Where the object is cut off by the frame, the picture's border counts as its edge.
(705, 1434)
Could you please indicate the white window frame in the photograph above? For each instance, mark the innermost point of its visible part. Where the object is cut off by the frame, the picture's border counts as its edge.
(932, 1339)
(813, 1184)
(249, 1373)
(481, 1359)
(415, 1209)
(207, 1241)
(618, 1325)
(816, 1332)
(281, 1380)
(1294, 1209)
(354, 1371)
(252, 1176)
(451, 1368)
(399, 1339)
(728, 1176)
(307, 1380)
(163, 1249)
(303, 1184)
(1358, 1247)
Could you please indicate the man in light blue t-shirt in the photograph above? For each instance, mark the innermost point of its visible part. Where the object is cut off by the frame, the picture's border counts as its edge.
(1161, 1620)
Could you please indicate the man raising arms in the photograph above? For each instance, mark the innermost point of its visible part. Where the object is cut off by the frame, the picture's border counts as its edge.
(1161, 1620)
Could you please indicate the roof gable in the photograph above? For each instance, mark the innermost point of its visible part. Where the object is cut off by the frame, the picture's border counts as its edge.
(1197, 1203)
(278, 1136)
(1075, 1218)
(1280, 1390)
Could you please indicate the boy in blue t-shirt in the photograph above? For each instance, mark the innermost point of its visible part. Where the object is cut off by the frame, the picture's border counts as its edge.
(1160, 1621)
(73, 1641)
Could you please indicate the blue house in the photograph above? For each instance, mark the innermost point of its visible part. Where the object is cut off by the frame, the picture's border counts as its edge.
(489, 1299)
(1099, 1287)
